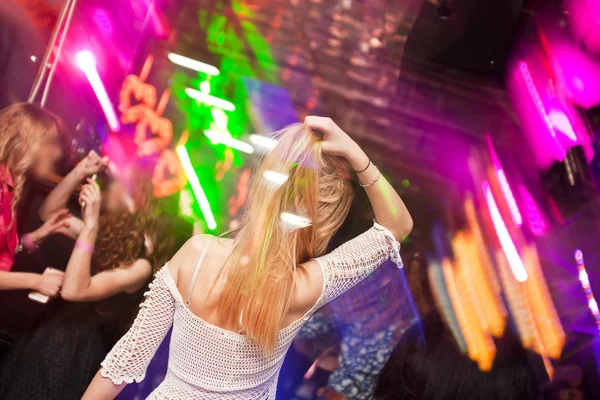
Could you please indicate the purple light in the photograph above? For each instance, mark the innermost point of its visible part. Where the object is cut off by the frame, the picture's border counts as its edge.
(103, 21)
(584, 21)
(514, 260)
(587, 289)
(86, 61)
(535, 219)
(578, 256)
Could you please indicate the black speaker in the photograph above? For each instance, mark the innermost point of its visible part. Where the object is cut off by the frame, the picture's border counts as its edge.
(474, 35)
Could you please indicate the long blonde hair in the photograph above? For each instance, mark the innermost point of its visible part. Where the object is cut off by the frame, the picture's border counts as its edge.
(261, 268)
(23, 129)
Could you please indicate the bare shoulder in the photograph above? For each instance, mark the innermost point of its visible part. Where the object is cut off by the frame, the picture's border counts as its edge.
(188, 254)
(309, 286)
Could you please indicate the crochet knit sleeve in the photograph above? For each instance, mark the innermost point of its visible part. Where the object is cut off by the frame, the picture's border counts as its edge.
(129, 359)
(355, 260)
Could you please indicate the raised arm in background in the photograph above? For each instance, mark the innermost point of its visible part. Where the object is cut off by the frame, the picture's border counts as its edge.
(79, 284)
(59, 196)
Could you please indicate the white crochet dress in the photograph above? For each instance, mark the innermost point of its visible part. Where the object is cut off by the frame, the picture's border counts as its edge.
(207, 362)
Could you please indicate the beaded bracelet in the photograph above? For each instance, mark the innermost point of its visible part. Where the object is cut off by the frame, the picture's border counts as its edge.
(366, 185)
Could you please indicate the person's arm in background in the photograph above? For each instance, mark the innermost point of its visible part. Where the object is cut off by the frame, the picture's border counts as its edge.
(79, 285)
(59, 196)
(46, 284)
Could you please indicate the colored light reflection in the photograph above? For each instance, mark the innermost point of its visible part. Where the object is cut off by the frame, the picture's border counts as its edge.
(196, 187)
(515, 262)
(193, 64)
(86, 61)
(587, 289)
(225, 139)
(207, 99)
(504, 185)
(510, 198)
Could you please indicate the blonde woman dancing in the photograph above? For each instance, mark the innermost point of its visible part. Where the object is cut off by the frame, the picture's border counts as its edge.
(235, 305)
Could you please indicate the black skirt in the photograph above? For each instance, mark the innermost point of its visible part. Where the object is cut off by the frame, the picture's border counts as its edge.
(57, 359)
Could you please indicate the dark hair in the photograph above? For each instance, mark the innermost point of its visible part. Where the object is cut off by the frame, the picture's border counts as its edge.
(427, 365)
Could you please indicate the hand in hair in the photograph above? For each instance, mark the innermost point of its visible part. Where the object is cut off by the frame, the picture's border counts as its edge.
(389, 208)
(336, 142)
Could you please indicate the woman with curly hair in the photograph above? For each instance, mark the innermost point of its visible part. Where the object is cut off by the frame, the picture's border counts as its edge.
(113, 260)
(29, 144)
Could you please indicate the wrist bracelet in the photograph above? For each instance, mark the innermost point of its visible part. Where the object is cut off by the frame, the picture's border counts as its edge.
(366, 185)
(28, 242)
(364, 169)
(84, 246)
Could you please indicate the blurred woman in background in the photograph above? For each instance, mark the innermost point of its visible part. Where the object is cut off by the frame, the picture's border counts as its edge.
(29, 144)
(114, 257)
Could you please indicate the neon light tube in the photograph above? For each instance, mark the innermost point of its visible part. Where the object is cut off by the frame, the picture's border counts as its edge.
(193, 64)
(275, 177)
(514, 260)
(86, 62)
(295, 221)
(587, 289)
(263, 141)
(207, 99)
(196, 187)
(504, 185)
(220, 138)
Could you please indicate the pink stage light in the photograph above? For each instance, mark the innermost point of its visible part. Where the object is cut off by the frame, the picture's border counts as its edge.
(86, 62)
(509, 248)
(587, 289)
(537, 100)
(103, 21)
(504, 185)
(561, 122)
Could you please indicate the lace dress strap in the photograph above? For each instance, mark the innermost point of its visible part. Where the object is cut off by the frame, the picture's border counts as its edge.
(195, 275)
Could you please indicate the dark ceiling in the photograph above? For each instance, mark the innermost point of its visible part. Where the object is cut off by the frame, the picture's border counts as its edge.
(416, 116)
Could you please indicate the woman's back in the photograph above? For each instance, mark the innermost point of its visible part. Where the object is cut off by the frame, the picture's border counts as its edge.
(203, 281)
(209, 361)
